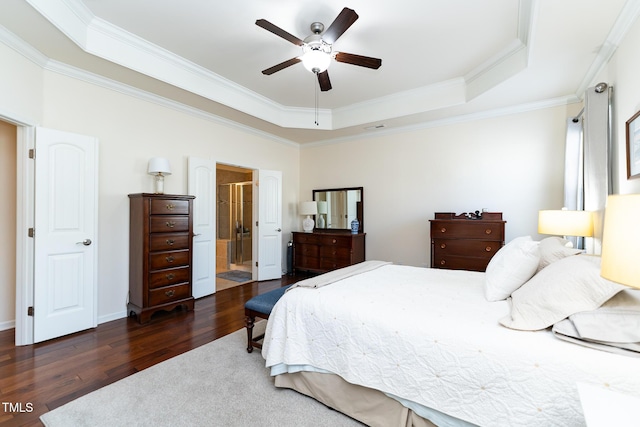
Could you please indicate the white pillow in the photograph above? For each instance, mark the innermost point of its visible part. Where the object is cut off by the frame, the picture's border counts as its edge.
(566, 287)
(553, 249)
(510, 268)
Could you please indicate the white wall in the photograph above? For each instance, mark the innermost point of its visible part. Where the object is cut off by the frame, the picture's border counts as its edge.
(511, 164)
(622, 74)
(130, 131)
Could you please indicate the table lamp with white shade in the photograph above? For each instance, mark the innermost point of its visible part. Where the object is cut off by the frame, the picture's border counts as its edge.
(159, 167)
(564, 222)
(308, 209)
(620, 261)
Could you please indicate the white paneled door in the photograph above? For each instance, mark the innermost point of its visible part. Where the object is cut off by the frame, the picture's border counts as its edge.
(201, 184)
(65, 236)
(269, 225)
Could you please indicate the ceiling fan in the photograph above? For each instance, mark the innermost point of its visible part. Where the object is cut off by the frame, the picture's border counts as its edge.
(317, 49)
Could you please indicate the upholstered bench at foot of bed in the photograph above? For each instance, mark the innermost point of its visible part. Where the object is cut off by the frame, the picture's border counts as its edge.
(260, 306)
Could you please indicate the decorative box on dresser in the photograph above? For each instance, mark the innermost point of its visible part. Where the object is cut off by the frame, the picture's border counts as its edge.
(320, 252)
(160, 253)
(465, 241)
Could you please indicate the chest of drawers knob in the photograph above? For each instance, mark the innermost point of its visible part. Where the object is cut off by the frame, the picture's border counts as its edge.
(169, 258)
(443, 230)
(488, 249)
(170, 207)
(170, 242)
(170, 293)
(170, 224)
(487, 231)
(443, 245)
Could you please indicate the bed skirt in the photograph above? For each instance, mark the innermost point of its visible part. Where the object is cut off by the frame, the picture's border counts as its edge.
(371, 407)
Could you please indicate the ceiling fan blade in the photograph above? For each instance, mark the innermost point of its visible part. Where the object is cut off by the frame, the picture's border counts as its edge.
(281, 66)
(323, 80)
(343, 21)
(279, 31)
(362, 61)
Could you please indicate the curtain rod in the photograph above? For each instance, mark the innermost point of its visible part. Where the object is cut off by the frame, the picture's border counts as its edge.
(577, 117)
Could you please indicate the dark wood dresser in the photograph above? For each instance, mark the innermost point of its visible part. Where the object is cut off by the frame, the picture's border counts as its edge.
(465, 241)
(160, 253)
(320, 252)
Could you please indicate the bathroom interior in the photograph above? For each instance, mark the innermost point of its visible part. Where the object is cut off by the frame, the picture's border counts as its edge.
(234, 213)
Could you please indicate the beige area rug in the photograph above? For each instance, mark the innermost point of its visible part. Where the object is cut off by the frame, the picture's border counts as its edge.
(217, 384)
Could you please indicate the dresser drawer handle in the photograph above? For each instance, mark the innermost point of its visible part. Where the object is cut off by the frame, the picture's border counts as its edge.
(170, 293)
(171, 224)
(443, 245)
(443, 230)
(170, 276)
(488, 231)
(442, 262)
(170, 242)
(488, 249)
(170, 207)
(170, 258)
(333, 241)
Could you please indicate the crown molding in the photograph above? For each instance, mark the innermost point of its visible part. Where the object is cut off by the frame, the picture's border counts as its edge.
(22, 47)
(452, 120)
(102, 39)
(628, 15)
(82, 75)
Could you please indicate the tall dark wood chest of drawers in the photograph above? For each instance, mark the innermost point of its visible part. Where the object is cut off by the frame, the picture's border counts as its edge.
(160, 253)
(461, 242)
(326, 251)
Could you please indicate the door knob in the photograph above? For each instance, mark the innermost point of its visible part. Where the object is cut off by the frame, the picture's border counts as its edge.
(278, 229)
(85, 242)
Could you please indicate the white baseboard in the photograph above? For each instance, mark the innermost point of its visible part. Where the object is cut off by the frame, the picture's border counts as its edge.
(113, 316)
(9, 324)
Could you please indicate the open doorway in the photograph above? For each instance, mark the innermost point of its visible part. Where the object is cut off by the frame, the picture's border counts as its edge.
(234, 213)
(8, 176)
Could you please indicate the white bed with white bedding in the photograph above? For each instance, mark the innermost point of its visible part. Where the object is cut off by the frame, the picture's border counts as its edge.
(430, 339)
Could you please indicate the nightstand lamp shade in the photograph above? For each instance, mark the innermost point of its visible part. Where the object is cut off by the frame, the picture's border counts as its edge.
(159, 166)
(621, 240)
(565, 223)
(308, 209)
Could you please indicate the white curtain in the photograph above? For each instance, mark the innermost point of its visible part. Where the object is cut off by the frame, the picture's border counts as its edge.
(587, 161)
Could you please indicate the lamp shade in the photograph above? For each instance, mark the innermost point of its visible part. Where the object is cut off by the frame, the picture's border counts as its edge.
(322, 207)
(565, 223)
(621, 240)
(159, 165)
(308, 208)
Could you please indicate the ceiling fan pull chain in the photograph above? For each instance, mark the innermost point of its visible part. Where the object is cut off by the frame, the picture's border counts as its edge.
(316, 87)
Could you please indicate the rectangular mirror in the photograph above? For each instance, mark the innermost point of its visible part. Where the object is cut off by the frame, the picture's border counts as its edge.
(337, 207)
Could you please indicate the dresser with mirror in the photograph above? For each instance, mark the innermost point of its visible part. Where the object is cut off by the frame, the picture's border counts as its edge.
(332, 244)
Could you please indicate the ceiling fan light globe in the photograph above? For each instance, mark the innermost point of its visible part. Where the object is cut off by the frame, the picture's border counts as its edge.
(316, 61)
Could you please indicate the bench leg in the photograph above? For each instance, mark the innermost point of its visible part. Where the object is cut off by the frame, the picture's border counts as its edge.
(249, 321)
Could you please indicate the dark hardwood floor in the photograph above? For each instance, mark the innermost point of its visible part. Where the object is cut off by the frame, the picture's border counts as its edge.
(38, 378)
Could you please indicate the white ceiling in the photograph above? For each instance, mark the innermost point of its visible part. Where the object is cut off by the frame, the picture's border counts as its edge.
(441, 60)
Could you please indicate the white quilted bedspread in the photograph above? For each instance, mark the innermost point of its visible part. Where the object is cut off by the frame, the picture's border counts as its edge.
(430, 336)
